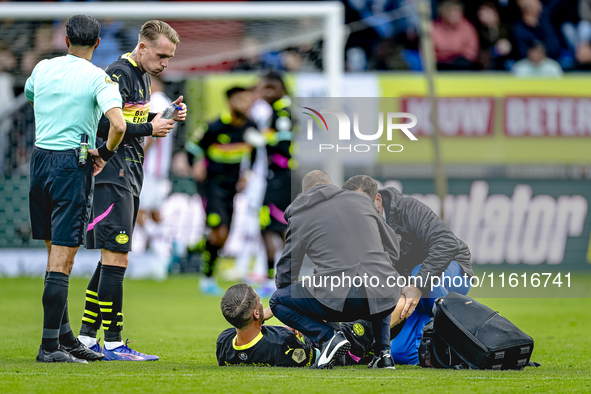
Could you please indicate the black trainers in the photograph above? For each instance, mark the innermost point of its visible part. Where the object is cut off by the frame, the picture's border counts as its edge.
(59, 355)
(332, 350)
(383, 361)
(79, 350)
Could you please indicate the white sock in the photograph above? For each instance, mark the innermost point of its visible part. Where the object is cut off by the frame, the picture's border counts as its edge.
(87, 341)
(113, 345)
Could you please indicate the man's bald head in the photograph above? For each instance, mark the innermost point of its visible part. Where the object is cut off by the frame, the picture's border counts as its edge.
(315, 178)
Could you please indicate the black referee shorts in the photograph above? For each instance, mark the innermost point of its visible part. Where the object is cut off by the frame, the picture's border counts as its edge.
(219, 202)
(113, 218)
(60, 197)
(277, 199)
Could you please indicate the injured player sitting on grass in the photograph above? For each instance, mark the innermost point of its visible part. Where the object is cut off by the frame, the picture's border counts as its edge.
(252, 343)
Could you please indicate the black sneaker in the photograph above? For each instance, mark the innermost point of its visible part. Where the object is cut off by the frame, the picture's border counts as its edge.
(384, 361)
(59, 355)
(79, 350)
(332, 350)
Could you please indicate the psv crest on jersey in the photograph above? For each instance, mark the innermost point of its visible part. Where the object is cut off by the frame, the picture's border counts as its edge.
(298, 355)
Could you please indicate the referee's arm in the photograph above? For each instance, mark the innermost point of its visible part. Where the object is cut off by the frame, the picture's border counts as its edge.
(117, 127)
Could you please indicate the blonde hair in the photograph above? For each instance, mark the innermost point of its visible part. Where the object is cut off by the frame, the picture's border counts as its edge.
(152, 30)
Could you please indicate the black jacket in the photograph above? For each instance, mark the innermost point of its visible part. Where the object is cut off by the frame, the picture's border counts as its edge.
(343, 234)
(425, 238)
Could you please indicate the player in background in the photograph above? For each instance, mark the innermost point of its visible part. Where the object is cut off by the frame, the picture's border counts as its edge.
(118, 188)
(261, 113)
(69, 94)
(278, 193)
(158, 156)
(216, 161)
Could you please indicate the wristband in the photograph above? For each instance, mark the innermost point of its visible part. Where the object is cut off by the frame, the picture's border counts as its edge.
(105, 153)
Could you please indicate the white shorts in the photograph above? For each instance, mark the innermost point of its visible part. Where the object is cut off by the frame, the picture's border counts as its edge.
(154, 193)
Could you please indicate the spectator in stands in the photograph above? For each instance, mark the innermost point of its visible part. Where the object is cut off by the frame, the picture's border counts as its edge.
(578, 34)
(455, 38)
(377, 25)
(535, 25)
(110, 48)
(43, 48)
(536, 64)
(494, 37)
(7, 63)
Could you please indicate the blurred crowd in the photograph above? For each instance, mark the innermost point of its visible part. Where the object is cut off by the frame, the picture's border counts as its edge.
(528, 36)
(24, 43)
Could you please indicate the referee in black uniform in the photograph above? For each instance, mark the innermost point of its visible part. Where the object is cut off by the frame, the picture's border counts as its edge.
(69, 94)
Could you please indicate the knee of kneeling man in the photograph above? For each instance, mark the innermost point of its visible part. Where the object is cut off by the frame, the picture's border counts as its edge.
(273, 301)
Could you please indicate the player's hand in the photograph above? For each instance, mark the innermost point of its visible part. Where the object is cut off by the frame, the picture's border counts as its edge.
(293, 330)
(182, 114)
(199, 171)
(413, 296)
(395, 319)
(268, 314)
(161, 127)
(98, 164)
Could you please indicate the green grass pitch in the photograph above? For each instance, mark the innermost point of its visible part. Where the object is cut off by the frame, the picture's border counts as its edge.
(172, 319)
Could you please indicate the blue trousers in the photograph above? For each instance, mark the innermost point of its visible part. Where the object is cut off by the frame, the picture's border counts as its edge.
(295, 307)
(405, 347)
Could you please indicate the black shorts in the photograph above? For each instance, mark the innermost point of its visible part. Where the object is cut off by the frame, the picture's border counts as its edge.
(219, 202)
(113, 218)
(60, 197)
(277, 199)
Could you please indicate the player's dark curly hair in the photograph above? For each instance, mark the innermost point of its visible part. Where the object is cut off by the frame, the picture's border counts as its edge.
(83, 30)
(238, 304)
(232, 91)
(364, 183)
(275, 76)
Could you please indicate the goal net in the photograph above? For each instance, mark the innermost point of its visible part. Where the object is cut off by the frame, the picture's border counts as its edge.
(216, 37)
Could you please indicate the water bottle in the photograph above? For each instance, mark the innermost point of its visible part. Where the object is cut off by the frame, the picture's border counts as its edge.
(83, 152)
(171, 111)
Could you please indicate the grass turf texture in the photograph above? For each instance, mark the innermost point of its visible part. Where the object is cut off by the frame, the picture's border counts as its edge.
(173, 320)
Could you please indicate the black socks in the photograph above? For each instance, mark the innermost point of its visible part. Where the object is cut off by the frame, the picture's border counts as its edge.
(209, 258)
(91, 320)
(55, 299)
(110, 299)
(271, 267)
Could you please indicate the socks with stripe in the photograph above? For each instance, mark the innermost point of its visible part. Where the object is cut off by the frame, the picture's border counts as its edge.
(91, 320)
(209, 258)
(55, 299)
(110, 296)
(271, 267)
(66, 335)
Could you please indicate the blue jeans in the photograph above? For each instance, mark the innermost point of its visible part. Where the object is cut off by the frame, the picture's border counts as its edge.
(295, 307)
(405, 347)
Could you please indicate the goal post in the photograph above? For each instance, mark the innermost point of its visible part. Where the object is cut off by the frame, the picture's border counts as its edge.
(329, 15)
